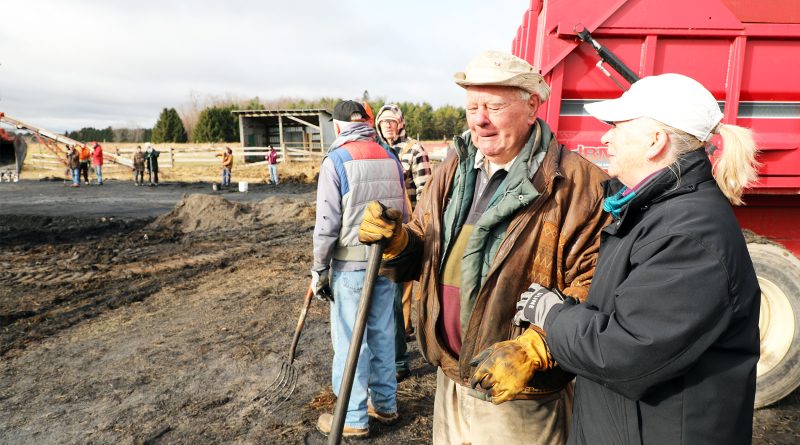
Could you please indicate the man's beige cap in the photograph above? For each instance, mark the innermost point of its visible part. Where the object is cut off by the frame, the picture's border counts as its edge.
(502, 69)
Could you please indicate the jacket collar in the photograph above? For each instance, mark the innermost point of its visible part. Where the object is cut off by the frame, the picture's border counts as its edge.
(680, 178)
(542, 172)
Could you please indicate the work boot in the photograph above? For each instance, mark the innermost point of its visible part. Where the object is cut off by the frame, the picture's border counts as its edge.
(326, 420)
(384, 418)
(401, 374)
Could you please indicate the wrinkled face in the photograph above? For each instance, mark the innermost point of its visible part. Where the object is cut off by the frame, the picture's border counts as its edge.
(627, 145)
(499, 120)
(389, 129)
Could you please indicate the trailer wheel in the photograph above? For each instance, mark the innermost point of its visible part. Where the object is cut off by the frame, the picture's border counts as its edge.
(778, 370)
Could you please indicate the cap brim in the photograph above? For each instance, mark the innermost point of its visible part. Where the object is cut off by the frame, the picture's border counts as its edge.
(614, 110)
(460, 79)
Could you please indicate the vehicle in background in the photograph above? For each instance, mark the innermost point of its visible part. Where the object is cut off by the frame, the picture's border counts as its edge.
(13, 149)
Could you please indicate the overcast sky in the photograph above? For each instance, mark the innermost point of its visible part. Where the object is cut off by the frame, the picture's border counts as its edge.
(68, 64)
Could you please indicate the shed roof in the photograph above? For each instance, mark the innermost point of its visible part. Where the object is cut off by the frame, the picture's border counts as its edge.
(299, 112)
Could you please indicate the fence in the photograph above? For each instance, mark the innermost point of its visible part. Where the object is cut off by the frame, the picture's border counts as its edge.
(192, 156)
(195, 156)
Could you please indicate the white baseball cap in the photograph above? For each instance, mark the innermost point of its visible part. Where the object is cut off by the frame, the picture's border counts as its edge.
(672, 99)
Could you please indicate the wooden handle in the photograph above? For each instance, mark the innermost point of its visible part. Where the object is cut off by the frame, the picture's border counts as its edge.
(300, 322)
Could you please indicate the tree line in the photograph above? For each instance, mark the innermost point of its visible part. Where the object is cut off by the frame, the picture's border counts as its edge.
(217, 123)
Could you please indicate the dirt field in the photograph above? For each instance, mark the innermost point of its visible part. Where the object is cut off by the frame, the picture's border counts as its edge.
(140, 315)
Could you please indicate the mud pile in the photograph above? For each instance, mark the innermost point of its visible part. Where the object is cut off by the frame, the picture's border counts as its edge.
(275, 209)
(199, 212)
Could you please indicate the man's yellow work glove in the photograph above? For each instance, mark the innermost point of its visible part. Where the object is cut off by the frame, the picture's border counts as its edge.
(505, 368)
(381, 223)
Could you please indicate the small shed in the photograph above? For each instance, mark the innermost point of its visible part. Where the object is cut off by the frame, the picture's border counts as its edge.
(289, 131)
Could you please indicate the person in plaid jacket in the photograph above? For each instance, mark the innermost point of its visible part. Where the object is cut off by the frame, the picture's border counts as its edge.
(391, 128)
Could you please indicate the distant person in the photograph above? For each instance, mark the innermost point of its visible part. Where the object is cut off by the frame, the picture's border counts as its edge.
(227, 166)
(97, 162)
(355, 171)
(138, 166)
(84, 156)
(391, 127)
(74, 165)
(151, 162)
(370, 114)
(272, 158)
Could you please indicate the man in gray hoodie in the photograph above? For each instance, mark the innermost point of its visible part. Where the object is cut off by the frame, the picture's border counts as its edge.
(356, 171)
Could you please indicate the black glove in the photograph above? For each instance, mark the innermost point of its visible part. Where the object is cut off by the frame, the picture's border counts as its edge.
(535, 303)
(320, 283)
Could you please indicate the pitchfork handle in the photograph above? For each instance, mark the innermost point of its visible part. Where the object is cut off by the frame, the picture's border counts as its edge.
(371, 275)
(300, 322)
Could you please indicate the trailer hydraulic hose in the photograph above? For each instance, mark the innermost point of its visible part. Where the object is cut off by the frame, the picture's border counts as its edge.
(606, 55)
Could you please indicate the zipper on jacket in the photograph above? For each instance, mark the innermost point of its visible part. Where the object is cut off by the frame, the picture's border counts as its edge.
(460, 168)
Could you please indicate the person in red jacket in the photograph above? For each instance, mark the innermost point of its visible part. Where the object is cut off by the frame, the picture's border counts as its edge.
(97, 162)
(272, 157)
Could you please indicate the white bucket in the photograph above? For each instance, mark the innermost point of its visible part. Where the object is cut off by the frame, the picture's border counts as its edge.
(243, 187)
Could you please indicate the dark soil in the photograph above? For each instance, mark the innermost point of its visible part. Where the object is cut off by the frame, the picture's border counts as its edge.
(164, 330)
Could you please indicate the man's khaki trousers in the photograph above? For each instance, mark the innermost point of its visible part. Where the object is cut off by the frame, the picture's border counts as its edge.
(459, 418)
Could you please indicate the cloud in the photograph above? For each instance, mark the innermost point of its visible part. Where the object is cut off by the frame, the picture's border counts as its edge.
(70, 64)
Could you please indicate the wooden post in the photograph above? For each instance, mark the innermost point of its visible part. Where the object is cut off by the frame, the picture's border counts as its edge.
(241, 130)
(321, 133)
(280, 132)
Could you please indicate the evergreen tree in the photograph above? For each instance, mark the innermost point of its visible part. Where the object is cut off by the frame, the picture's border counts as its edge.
(449, 121)
(216, 124)
(89, 134)
(419, 120)
(169, 127)
(254, 104)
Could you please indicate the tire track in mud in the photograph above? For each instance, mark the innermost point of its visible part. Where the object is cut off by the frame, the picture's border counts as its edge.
(69, 297)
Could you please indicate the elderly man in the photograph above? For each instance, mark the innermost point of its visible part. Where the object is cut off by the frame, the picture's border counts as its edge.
(391, 127)
(509, 206)
(355, 171)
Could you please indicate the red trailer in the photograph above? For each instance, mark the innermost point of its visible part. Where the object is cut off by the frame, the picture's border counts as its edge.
(747, 54)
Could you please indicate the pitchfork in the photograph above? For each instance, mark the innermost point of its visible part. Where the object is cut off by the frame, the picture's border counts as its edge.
(283, 386)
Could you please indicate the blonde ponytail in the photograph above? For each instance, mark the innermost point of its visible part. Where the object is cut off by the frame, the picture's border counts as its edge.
(737, 166)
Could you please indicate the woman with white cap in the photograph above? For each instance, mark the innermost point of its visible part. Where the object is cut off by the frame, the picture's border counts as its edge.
(666, 345)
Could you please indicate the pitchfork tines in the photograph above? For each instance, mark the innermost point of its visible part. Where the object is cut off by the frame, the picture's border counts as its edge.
(279, 391)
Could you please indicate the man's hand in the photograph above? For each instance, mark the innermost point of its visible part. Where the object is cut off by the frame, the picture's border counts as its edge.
(505, 368)
(535, 303)
(381, 223)
(320, 283)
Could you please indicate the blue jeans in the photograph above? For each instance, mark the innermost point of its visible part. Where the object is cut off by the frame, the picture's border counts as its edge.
(76, 176)
(273, 173)
(98, 171)
(400, 347)
(375, 372)
(226, 176)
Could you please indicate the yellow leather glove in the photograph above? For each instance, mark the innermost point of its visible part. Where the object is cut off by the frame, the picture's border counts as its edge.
(380, 223)
(505, 368)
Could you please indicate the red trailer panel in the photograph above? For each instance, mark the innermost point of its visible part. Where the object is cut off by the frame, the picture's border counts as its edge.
(746, 54)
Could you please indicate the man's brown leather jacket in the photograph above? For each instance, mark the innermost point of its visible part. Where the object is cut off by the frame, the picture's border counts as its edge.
(553, 241)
